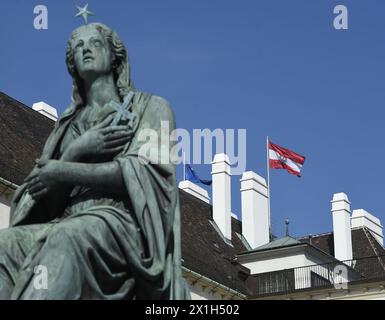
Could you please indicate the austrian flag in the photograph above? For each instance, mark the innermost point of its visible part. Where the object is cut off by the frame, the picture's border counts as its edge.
(281, 158)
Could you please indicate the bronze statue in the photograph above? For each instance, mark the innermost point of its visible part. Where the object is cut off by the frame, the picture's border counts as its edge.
(105, 224)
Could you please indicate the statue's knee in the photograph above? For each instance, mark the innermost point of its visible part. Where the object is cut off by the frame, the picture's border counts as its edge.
(70, 233)
(62, 236)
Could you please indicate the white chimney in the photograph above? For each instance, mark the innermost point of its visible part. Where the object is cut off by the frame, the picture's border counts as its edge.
(362, 218)
(46, 110)
(194, 190)
(341, 227)
(221, 193)
(255, 215)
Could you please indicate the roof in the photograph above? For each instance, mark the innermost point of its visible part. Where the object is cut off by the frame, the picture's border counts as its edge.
(285, 243)
(204, 250)
(23, 134)
(363, 243)
(278, 243)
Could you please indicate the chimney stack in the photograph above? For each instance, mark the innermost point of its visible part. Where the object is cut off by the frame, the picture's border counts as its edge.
(255, 219)
(221, 193)
(46, 110)
(341, 227)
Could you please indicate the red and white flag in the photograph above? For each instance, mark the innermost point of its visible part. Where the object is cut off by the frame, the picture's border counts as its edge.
(281, 158)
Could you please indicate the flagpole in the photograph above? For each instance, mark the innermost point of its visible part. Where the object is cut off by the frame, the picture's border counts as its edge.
(184, 166)
(268, 185)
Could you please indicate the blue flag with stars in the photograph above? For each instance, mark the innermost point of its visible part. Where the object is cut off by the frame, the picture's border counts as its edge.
(193, 177)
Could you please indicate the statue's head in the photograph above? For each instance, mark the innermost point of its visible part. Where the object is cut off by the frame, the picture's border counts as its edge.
(95, 49)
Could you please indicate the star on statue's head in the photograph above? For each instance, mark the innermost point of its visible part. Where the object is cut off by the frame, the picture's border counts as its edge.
(84, 13)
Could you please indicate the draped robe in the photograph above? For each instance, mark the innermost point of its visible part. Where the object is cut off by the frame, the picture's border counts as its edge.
(102, 246)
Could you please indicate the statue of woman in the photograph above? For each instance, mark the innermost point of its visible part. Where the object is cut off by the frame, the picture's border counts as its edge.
(101, 222)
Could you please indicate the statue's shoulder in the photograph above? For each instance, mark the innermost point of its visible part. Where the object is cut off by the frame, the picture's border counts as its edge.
(157, 105)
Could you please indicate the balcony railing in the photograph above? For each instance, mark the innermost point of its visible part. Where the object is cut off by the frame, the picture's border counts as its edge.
(334, 274)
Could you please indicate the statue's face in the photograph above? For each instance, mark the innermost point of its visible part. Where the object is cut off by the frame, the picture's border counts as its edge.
(92, 54)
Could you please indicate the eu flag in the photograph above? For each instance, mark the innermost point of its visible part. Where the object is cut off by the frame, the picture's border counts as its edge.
(193, 177)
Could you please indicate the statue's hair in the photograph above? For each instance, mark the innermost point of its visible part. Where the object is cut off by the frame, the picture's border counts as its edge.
(120, 65)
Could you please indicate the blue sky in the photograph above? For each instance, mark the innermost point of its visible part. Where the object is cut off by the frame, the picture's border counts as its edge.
(275, 68)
